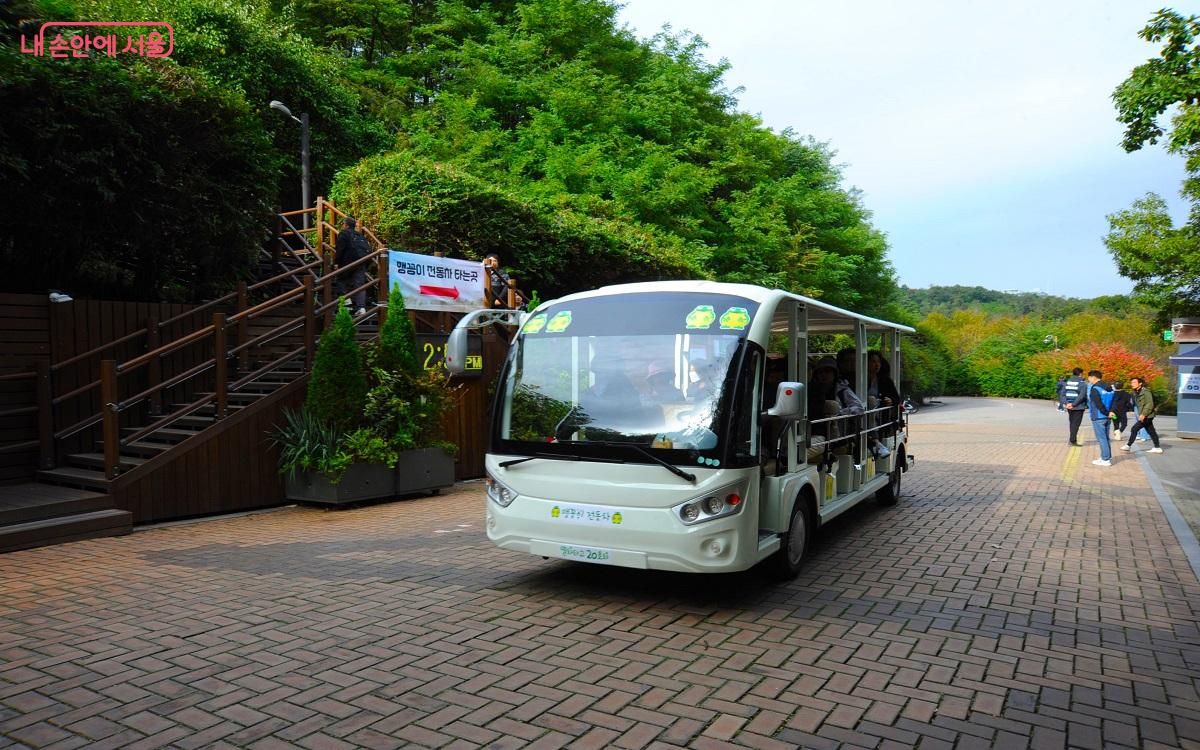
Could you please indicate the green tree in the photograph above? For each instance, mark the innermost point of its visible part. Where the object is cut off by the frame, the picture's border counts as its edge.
(1163, 260)
(337, 386)
(397, 351)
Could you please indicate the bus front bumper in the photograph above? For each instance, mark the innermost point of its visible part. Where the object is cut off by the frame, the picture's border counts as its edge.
(646, 538)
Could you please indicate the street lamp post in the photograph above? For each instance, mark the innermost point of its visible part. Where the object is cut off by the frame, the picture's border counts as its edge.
(1051, 337)
(304, 170)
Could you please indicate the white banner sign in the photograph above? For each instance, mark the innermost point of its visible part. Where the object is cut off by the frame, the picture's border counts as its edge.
(432, 283)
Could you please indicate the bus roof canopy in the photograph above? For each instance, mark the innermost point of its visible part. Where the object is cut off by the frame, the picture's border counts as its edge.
(822, 317)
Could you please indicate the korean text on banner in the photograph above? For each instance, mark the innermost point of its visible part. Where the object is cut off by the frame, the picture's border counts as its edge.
(432, 283)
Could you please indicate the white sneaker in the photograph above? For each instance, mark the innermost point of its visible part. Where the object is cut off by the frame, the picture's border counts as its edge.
(1126, 448)
(882, 451)
(360, 311)
(1117, 434)
(1102, 462)
(1155, 450)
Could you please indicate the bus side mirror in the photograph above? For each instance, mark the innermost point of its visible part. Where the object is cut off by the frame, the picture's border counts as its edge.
(787, 401)
(456, 351)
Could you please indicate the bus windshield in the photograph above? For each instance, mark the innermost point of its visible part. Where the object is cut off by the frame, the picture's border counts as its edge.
(649, 369)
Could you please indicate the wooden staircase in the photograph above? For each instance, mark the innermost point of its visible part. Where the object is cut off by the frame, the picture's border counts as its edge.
(262, 339)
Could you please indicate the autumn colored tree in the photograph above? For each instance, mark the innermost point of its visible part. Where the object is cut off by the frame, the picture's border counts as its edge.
(1116, 361)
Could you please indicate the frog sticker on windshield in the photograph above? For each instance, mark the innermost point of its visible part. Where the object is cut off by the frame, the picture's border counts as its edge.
(535, 324)
(616, 518)
(701, 317)
(559, 322)
(735, 319)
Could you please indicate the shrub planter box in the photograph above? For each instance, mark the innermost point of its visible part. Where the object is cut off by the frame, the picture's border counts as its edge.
(361, 482)
(424, 470)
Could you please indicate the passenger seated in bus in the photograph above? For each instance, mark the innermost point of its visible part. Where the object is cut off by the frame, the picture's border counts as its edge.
(847, 364)
(827, 386)
(880, 385)
(660, 379)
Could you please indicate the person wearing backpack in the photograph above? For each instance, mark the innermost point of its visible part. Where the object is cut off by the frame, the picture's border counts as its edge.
(1122, 402)
(352, 246)
(1075, 399)
(1144, 403)
(1099, 406)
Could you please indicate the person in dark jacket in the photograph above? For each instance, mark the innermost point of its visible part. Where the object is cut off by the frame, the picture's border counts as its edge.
(1100, 415)
(1075, 398)
(1144, 401)
(348, 249)
(1122, 402)
(1059, 388)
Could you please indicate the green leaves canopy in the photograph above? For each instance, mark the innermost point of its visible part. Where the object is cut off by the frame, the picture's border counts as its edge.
(1164, 261)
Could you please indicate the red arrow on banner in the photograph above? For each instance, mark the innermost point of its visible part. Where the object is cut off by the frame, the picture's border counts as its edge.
(440, 291)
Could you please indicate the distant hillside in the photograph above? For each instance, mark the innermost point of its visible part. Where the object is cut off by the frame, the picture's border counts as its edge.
(948, 299)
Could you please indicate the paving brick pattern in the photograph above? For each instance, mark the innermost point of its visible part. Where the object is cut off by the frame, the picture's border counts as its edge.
(1016, 597)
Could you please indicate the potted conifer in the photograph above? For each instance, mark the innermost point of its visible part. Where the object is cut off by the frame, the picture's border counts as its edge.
(371, 424)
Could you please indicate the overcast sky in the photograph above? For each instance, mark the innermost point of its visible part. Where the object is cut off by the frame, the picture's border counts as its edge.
(982, 135)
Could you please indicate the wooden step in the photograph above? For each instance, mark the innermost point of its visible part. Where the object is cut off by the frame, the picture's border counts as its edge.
(164, 435)
(239, 399)
(211, 409)
(140, 448)
(193, 422)
(42, 532)
(33, 501)
(73, 476)
(95, 461)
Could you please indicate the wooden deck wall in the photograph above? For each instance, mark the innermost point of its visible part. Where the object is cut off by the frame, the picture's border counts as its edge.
(183, 483)
(33, 328)
(24, 340)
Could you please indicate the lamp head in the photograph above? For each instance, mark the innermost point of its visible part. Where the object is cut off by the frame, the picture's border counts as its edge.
(280, 106)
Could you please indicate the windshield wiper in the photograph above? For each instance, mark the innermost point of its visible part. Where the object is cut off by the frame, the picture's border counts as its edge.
(558, 457)
(661, 462)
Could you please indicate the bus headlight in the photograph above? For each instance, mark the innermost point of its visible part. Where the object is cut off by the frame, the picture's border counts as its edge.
(724, 502)
(498, 493)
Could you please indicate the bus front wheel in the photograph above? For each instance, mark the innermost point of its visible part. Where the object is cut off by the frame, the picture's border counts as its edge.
(787, 561)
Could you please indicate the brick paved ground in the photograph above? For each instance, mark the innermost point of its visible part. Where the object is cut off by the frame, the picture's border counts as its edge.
(1017, 596)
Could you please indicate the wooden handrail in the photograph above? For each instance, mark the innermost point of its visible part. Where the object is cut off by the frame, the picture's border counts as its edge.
(262, 307)
(179, 343)
(72, 394)
(79, 426)
(28, 445)
(18, 376)
(96, 350)
(18, 411)
(137, 398)
(194, 311)
(280, 277)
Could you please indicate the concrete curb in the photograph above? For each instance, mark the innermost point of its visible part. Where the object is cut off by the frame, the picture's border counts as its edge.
(1183, 532)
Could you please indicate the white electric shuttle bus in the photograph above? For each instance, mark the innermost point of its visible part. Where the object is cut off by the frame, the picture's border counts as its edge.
(666, 425)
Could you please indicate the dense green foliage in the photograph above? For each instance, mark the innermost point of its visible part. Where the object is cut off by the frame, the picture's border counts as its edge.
(1163, 260)
(947, 299)
(538, 129)
(154, 178)
(542, 131)
(337, 387)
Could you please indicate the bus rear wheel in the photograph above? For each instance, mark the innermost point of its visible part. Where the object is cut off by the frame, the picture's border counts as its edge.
(785, 564)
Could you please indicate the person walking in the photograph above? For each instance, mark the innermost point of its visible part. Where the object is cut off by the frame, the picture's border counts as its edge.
(1058, 391)
(1099, 415)
(1075, 398)
(350, 247)
(1122, 402)
(1144, 408)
